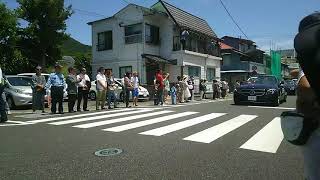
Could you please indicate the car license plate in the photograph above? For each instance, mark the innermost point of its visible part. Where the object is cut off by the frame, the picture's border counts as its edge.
(252, 98)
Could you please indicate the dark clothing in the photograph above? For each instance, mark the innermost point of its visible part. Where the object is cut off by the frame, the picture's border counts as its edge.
(82, 94)
(127, 95)
(112, 97)
(57, 97)
(72, 84)
(160, 96)
(3, 113)
(71, 102)
(37, 92)
(72, 91)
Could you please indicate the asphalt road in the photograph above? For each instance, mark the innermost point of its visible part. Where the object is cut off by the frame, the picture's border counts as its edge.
(168, 143)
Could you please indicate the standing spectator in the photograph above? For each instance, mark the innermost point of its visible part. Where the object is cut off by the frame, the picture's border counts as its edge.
(71, 81)
(173, 92)
(201, 89)
(127, 87)
(3, 113)
(84, 86)
(215, 89)
(111, 90)
(166, 87)
(7, 108)
(186, 89)
(307, 47)
(38, 90)
(181, 89)
(191, 87)
(135, 91)
(204, 89)
(159, 79)
(56, 83)
(224, 88)
(219, 89)
(101, 88)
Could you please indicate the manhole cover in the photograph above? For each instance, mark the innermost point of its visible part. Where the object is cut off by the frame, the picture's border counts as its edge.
(108, 152)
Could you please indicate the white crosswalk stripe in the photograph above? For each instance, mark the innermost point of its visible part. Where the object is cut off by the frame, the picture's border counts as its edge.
(76, 116)
(116, 113)
(181, 125)
(148, 122)
(268, 139)
(129, 118)
(215, 132)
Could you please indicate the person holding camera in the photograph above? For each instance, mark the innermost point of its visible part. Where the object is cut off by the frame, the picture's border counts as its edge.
(84, 86)
(301, 127)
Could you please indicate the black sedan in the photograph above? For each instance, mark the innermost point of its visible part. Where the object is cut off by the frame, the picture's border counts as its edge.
(263, 89)
(290, 87)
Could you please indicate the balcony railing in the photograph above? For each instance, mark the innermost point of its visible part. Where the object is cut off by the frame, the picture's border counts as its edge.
(135, 38)
(202, 47)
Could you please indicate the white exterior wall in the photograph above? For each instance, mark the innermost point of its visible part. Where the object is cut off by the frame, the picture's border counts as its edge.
(121, 54)
(130, 54)
(188, 58)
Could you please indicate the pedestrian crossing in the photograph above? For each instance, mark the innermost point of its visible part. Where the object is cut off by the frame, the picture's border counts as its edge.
(162, 122)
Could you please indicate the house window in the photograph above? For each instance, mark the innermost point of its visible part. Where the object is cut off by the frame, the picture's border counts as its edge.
(152, 34)
(133, 33)
(194, 71)
(104, 41)
(211, 73)
(123, 70)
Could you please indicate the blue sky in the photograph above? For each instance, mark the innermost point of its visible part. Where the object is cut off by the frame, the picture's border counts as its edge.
(263, 21)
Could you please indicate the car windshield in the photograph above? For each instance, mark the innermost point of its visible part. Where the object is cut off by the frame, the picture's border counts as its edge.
(19, 81)
(263, 80)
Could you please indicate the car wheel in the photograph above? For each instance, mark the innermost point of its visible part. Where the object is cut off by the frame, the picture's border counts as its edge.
(276, 102)
(11, 103)
(92, 95)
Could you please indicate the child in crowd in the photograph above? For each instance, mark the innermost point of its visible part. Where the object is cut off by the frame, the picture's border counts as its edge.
(173, 92)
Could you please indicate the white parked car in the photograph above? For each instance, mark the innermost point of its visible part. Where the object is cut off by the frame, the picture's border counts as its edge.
(18, 91)
(143, 92)
(65, 94)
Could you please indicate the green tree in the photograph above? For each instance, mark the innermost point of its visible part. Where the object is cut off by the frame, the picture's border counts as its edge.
(83, 61)
(45, 32)
(8, 36)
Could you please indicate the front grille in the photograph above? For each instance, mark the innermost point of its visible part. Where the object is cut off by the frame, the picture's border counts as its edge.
(252, 92)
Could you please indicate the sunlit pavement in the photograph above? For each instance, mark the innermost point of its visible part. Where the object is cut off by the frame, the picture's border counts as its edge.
(197, 140)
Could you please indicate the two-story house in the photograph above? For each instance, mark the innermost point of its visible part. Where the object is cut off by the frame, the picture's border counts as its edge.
(161, 37)
(241, 59)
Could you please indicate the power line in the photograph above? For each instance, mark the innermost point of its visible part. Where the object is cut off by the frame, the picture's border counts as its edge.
(234, 21)
(89, 13)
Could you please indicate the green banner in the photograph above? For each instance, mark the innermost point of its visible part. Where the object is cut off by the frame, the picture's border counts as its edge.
(276, 64)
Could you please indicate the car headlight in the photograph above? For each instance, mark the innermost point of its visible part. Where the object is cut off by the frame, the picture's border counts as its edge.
(271, 91)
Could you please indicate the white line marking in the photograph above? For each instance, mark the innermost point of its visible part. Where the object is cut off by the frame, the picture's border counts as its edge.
(215, 132)
(181, 125)
(76, 116)
(265, 107)
(99, 117)
(268, 139)
(148, 122)
(129, 118)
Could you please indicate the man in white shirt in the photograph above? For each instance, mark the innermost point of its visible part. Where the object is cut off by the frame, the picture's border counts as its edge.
(84, 86)
(135, 91)
(3, 113)
(101, 89)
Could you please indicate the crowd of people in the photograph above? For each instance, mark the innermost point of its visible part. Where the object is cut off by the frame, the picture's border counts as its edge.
(182, 90)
